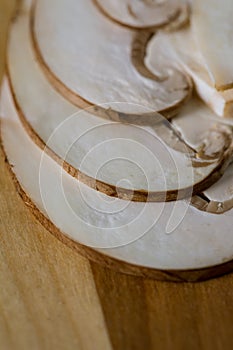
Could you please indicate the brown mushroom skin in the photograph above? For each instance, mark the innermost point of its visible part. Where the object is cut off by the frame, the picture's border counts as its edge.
(145, 14)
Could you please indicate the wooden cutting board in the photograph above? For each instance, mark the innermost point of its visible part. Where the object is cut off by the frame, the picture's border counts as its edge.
(52, 298)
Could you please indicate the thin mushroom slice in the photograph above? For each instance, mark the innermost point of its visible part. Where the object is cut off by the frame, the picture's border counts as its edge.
(222, 192)
(218, 198)
(213, 19)
(80, 216)
(140, 163)
(89, 61)
(203, 131)
(145, 13)
(184, 50)
(193, 122)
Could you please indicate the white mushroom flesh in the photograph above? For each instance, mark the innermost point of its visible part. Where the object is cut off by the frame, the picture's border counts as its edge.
(198, 241)
(89, 57)
(212, 22)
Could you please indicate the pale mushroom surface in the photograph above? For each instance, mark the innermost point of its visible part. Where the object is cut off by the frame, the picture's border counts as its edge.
(199, 240)
(194, 121)
(141, 14)
(88, 59)
(212, 22)
(183, 49)
(222, 190)
(203, 131)
(117, 157)
(217, 199)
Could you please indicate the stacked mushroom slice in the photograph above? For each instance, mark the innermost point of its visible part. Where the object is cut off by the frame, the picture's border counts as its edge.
(207, 61)
(107, 140)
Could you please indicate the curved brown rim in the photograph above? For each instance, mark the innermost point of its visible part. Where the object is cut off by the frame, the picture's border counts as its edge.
(81, 102)
(108, 189)
(225, 87)
(174, 17)
(203, 203)
(111, 190)
(189, 275)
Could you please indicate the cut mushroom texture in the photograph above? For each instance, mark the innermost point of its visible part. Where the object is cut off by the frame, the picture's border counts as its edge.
(121, 160)
(201, 130)
(171, 160)
(183, 49)
(212, 22)
(93, 219)
(145, 13)
(219, 197)
(99, 51)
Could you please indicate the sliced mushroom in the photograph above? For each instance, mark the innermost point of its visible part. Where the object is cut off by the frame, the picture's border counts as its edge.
(193, 122)
(222, 191)
(144, 13)
(89, 60)
(212, 22)
(88, 218)
(183, 50)
(202, 130)
(98, 152)
(217, 199)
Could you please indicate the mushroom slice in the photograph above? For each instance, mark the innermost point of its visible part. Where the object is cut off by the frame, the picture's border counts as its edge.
(193, 122)
(81, 216)
(143, 14)
(88, 59)
(184, 50)
(219, 197)
(202, 130)
(213, 19)
(98, 152)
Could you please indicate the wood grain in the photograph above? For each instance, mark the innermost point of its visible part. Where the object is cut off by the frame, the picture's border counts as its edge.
(52, 298)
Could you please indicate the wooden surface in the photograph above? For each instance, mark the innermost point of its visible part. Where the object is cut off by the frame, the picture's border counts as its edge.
(51, 298)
